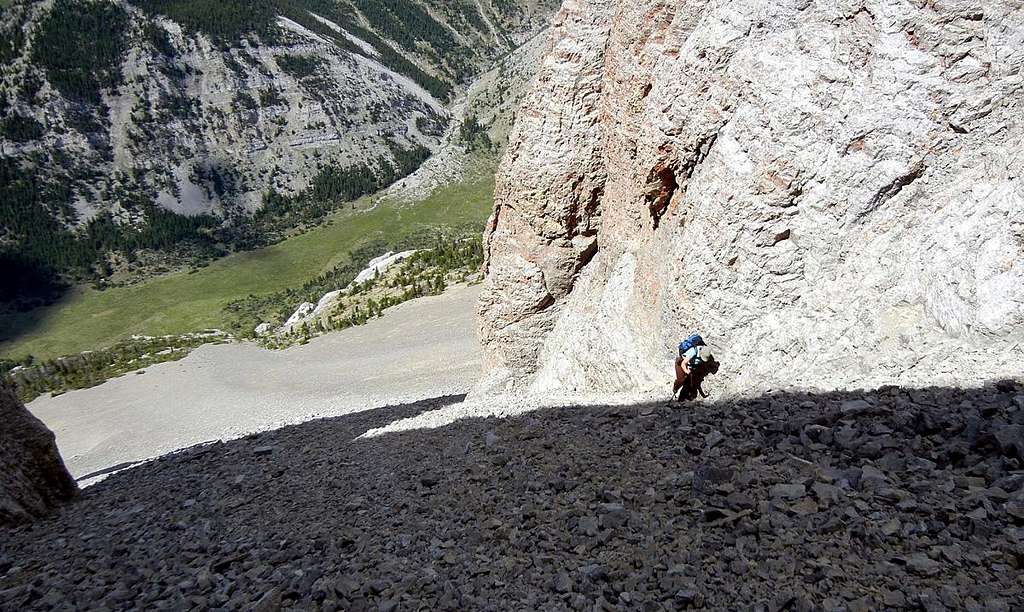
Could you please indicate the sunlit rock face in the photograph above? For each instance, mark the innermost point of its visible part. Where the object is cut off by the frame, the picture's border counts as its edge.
(33, 478)
(829, 191)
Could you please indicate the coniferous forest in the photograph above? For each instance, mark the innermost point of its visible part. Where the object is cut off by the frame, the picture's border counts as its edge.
(48, 253)
(81, 47)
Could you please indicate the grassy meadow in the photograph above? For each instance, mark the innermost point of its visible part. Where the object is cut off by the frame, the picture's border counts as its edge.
(87, 319)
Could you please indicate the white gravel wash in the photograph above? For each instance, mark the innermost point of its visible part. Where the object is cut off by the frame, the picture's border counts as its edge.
(420, 349)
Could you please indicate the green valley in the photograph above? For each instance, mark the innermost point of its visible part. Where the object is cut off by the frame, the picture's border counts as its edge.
(185, 302)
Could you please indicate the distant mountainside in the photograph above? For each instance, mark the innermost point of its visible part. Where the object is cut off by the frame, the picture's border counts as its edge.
(189, 127)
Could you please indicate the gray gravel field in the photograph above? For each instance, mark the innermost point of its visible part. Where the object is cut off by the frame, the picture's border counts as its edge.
(419, 349)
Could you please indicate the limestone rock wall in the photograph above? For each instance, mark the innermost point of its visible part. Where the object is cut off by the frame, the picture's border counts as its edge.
(201, 125)
(829, 191)
(33, 478)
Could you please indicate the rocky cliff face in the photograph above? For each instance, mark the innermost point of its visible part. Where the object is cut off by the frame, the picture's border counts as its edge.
(33, 478)
(829, 191)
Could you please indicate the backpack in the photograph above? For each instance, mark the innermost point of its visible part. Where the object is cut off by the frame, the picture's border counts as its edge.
(689, 343)
(700, 355)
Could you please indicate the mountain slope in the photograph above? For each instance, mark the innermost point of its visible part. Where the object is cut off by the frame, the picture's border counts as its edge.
(785, 502)
(153, 124)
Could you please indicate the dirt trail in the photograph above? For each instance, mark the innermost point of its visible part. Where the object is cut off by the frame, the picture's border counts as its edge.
(420, 349)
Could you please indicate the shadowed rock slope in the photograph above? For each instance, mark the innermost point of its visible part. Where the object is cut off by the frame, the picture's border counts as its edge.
(892, 498)
(33, 478)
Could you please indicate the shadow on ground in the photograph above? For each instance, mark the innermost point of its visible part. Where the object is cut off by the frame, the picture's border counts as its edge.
(15, 324)
(891, 498)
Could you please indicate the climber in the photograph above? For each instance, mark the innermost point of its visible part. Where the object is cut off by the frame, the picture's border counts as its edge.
(694, 363)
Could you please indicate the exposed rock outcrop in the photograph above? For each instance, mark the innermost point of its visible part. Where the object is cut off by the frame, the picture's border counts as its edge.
(309, 313)
(379, 265)
(828, 191)
(33, 478)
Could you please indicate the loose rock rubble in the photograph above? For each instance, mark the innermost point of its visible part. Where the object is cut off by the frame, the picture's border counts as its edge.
(886, 499)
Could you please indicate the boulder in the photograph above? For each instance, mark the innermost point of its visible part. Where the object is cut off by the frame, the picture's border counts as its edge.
(379, 265)
(33, 479)
(300, 314)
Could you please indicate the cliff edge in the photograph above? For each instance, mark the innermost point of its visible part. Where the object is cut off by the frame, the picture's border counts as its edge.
(828, 191)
